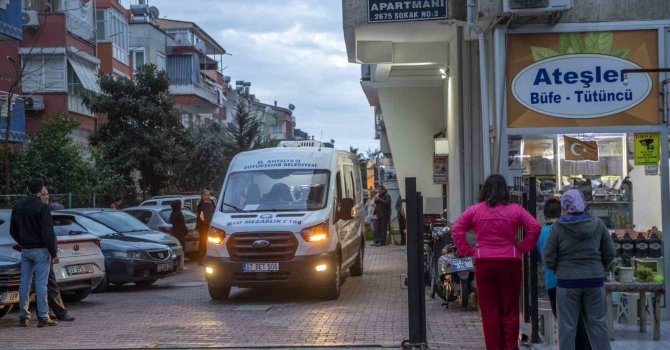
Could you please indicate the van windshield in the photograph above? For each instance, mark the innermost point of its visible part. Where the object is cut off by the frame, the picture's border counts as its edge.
(276, 190)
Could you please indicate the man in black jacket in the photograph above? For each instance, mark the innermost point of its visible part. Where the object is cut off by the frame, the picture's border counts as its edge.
(383, 211)
(205, 212)
(32, 228)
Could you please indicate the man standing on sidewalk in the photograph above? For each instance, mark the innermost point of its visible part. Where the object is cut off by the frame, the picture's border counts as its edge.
(383, 202)
(53, 291)
(32, 228)
(205, 212)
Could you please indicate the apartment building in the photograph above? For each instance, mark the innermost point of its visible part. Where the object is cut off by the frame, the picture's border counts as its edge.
(10, 103)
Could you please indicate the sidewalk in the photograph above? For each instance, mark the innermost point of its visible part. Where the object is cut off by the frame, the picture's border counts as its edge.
(630, 338)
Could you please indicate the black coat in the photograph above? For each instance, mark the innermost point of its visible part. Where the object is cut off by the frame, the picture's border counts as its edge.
(207, 209)
(178, 222)
(383, 202)
(31, 225)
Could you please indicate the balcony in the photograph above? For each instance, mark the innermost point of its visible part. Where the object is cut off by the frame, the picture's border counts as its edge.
(196, 98)
(75, 103)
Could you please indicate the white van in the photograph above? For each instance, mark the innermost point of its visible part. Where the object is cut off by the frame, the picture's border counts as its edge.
(290, 215)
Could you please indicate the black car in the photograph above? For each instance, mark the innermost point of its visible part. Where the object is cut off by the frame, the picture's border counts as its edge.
(129, 257)
(10, 272)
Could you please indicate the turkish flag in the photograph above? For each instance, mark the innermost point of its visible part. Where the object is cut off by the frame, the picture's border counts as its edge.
(578, 150)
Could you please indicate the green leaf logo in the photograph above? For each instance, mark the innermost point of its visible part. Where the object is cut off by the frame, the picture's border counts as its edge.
(576, 43)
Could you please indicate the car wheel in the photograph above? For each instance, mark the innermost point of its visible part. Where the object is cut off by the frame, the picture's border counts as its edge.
(357, 268)
(219, 293)
(77, 295)
(146, 283)
(334, 285)
(103, 285)
(5, 309)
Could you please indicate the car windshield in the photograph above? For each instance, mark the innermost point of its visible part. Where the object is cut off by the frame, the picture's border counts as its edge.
(5, 238)
(119, 221)
(188, 215)
(94, 227)
(276, 190)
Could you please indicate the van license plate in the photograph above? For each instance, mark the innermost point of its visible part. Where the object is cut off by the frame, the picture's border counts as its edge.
(260, 267)
(79, 269)
(165, 267)
(9, 298)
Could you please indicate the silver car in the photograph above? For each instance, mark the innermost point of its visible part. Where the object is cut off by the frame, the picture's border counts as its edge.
(158, 218)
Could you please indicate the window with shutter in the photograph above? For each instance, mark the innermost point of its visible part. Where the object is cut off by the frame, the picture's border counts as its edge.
(44, 73)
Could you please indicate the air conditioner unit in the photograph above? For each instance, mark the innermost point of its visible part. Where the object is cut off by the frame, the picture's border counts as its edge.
(30, 19)
(534, 6)
(34, 103)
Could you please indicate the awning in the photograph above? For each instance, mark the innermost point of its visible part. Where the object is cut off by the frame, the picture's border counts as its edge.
(86, 72)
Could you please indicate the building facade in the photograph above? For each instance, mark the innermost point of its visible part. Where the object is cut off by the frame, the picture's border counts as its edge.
(574, 93)
(10, 103)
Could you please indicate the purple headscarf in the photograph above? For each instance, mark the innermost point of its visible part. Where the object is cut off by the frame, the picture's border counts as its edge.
(573, 201)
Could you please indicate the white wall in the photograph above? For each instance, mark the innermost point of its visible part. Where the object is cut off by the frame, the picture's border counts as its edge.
(646, 199)
(413, 115)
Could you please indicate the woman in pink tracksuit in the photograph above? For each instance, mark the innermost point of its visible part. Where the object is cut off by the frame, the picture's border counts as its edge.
(497, 257)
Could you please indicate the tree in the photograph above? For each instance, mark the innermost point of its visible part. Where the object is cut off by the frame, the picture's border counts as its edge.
(205, 161)
(143, 133)
(357, 154)
(244, 132)
(52, 154)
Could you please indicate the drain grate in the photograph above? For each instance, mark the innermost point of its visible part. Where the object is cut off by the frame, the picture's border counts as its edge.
(253, 308)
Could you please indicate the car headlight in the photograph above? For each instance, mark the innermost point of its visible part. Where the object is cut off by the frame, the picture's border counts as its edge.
(215, 236)
(316, 233)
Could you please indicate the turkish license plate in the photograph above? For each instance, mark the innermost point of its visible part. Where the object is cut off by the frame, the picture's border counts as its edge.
(463, 263)
(79, 269)
(260, 267)
(165, 267)
(9, 298)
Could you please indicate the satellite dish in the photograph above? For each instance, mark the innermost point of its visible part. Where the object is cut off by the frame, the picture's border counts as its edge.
(153, 11)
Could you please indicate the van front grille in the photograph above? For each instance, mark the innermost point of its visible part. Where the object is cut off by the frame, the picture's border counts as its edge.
(262, 246)
(10, 278)
(261, 276)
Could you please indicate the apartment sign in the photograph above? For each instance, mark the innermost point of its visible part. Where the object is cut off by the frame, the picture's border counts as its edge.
(408, 10)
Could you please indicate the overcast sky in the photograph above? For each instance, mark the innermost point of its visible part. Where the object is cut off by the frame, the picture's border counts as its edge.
(291, 51)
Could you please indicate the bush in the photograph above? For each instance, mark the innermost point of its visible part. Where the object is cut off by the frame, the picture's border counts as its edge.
(644, 274)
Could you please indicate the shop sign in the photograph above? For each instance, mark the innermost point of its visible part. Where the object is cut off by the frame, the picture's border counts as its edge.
(440, 170)
(647, 148)
(581, 86)
(577, 79)
(409, 10)
(578, 150)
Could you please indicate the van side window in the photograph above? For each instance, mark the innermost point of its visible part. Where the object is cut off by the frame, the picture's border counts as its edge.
(338, 188)
(352, 187)
(358, 185)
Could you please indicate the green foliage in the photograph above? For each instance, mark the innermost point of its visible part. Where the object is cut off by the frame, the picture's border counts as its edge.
(626, 261)
(644, 274)
(244, 132)
(575, 43)
(51, 153)
(205, 162)
(143, 134)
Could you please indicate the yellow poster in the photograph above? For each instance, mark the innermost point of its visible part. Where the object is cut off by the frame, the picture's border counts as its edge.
(647, 148)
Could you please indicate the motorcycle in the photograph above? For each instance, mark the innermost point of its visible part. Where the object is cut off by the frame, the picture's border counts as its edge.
(431, 224)
(454, 277)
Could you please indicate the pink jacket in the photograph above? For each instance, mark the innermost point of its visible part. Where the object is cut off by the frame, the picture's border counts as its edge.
(495, 231)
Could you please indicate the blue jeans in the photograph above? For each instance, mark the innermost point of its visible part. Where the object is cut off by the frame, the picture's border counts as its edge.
(37, 261)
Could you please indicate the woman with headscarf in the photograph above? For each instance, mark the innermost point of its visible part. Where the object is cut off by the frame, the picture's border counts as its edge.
(179, 229)
(579, 248)
(497, 258)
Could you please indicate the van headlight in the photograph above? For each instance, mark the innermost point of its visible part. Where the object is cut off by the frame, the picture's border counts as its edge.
(215, 236)
(316, 233)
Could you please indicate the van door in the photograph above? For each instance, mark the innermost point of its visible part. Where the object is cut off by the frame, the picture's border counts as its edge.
(350, 237)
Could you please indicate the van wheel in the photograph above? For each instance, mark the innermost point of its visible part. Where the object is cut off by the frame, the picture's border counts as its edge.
(357, 268)
(333, 287)
(219, 293)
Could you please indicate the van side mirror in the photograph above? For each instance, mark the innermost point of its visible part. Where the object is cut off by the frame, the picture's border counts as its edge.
(346, 206)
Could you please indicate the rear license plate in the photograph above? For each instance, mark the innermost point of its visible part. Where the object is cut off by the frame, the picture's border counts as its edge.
(9, 298)
(165, 267)
(79, 269)
(463, 263)
(260, 267)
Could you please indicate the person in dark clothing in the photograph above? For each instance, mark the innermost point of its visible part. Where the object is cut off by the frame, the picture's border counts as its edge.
(205, 212)
(402, 222)
(32, 228)
(383, 211)
(54, 298)
(179, 230)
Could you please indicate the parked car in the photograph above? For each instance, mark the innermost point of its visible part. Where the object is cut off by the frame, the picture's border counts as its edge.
(128, 225)
(10, 270)
(189, 202)
(82, 264)
(158, 218)
(128, 259)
